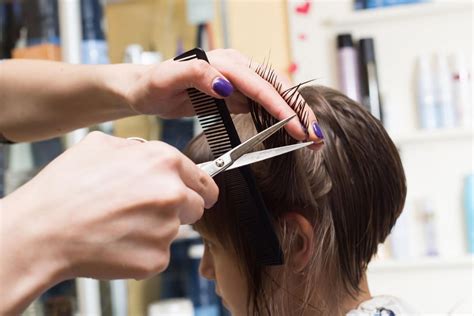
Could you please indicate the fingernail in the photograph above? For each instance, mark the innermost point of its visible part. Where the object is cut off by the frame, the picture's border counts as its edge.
(222, 87)
(317, 130)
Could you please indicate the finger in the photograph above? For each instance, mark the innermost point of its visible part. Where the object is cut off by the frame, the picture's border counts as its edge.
(192, 209)
(314, 131)
(191, 175)
(199, 181)
(201, 75)
(255, 87)
(238, 103)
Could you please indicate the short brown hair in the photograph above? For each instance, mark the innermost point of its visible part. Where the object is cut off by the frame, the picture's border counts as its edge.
(352, 191)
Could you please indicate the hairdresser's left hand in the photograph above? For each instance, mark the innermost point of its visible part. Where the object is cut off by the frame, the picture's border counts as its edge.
(161, 89)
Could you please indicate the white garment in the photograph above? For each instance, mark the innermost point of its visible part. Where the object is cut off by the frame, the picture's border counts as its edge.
(382, 306)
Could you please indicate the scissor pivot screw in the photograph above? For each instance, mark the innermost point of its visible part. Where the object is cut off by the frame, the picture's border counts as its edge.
(219, 163)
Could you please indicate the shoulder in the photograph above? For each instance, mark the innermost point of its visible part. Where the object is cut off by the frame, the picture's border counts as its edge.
(382, 306)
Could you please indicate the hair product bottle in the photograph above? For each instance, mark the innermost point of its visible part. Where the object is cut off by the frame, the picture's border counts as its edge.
(428, 113)
(348, 67)
(369, 82)
(444, 92)
(94, 46)
(462, 93)
(469, 211)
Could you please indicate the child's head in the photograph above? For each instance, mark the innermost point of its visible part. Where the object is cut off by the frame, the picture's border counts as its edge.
(330, 209)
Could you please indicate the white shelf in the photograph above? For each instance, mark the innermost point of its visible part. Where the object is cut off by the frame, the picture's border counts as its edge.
(466, 261)
(436, 135)
(408, 11)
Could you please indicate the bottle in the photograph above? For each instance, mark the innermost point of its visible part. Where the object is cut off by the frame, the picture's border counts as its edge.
(41, 22)
(462, 93)
(469, 211)
(444, 93)
(372, 4)
(348, 67)
(427, 218)
(428, 114)
(368, 78)
(94, 46)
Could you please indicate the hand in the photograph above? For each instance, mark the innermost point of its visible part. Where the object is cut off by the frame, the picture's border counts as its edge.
(161, 90)
(106, 208)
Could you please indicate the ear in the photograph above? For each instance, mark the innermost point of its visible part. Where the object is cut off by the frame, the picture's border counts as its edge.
(303, 245)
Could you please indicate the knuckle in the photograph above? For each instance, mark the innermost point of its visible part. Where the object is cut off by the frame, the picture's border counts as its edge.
(194, 213)
(160, 261)
(167, 232)
(95, 136)
(154, 263)
(174, 229)
(162, 156)
(237, 56)
(199, 68)
(171, 160)
(171, 199)
(232, 52)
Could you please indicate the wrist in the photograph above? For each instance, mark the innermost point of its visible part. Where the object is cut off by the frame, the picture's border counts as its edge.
(29, 264)
(118, 79)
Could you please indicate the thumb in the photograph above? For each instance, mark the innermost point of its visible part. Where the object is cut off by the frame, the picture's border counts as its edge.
(201, 75)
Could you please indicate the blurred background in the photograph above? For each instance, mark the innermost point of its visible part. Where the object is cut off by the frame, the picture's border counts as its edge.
(409, 62)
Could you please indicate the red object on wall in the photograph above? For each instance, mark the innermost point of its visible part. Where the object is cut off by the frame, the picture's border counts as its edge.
(302, 36)
(292, 68)
(304, 8)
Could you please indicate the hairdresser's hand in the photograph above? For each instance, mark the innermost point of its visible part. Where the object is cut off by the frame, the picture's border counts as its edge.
(162, 88)
(107, 208)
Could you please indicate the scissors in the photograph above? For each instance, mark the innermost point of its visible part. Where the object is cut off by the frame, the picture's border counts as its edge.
(241, 155)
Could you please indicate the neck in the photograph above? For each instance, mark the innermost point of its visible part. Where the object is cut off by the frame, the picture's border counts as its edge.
(364, 295)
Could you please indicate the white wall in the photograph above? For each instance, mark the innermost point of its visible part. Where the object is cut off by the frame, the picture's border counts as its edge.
(435, 162)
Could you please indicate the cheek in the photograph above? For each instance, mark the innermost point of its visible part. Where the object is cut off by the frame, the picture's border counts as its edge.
(231, 284)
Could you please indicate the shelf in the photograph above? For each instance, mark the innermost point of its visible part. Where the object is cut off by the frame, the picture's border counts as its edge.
(436, 135)
(401, 12)
(388, 265)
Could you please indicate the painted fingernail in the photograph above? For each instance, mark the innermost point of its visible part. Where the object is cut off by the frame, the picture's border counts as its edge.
(222, 87)
(317, 130)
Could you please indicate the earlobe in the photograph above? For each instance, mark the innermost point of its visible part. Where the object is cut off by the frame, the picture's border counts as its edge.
(302, 246)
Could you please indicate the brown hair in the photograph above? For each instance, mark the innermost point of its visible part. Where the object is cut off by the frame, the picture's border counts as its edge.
(352, 190)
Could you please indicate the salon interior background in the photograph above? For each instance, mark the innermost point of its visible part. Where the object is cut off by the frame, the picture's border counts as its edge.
(422, 56)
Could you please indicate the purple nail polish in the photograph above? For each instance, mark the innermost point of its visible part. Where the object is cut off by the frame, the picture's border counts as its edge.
(317, 130)
(222, 87)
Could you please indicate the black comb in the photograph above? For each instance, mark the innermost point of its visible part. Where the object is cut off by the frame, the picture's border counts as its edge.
(222, 136)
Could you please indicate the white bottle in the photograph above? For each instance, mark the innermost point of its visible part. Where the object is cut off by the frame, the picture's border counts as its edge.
(462, 93)
(444, 93)
(428, 113)
(348, 70)
(427, 221)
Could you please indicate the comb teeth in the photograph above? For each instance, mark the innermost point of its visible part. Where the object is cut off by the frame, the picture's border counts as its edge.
(221, 136)
(211, 122)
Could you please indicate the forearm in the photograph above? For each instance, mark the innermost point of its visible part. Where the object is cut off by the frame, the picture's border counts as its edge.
(28, 262)
(41, 99)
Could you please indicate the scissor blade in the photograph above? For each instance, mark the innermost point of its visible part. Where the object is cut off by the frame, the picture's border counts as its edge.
(257, 156)
(247, 146)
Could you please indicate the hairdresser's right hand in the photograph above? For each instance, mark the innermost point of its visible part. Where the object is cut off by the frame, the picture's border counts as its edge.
(106, 208)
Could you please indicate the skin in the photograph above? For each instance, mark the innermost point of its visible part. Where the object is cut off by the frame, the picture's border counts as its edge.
(42, 99)
(220, 265)
(106, 201)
